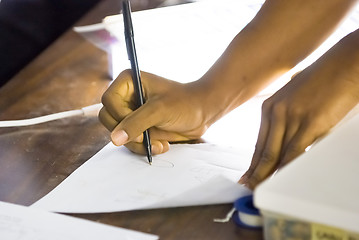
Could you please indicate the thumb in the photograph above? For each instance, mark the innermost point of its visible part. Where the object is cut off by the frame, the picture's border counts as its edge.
(135, 123)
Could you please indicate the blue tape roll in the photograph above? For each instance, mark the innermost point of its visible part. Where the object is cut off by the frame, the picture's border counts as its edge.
(247, 215)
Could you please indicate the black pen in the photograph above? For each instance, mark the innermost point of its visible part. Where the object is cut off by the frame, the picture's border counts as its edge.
(136, 76)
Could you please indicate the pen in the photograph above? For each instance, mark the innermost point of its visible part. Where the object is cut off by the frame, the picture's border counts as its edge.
(136, 76)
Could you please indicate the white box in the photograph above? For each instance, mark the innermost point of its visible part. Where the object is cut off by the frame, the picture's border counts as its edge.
(317, 195)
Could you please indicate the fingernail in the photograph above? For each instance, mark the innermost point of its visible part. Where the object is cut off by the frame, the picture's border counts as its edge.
(119, 137)
(154, 149)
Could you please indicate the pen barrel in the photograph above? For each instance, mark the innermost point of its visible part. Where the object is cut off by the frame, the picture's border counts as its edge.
(136, 74)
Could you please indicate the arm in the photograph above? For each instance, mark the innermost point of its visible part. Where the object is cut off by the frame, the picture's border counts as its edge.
(280, 36)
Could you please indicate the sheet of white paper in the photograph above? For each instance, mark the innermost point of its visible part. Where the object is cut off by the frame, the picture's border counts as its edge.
(181, 42)
(20, 223)
(117, 180)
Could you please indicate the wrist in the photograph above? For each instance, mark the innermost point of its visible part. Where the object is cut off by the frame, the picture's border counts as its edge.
(213, 100)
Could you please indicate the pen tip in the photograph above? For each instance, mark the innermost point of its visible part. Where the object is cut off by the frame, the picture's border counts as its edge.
(149, 159)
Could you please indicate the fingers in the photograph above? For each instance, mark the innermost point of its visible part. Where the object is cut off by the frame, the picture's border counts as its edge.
(269, 146)
(106, 119)
(117, 101)
(117, 114)
(118, 97)
(304, 137)
(283, 143)
(167, 118)
(261, 140)
(110, 123)
(135, 124)
(120, 136)
(157, 147)
(152, 113)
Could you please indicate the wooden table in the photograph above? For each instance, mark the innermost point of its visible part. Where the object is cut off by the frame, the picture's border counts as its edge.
(71, 74)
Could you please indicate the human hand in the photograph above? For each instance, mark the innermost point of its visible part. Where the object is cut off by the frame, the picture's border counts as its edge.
(172, 112)
(304, 110)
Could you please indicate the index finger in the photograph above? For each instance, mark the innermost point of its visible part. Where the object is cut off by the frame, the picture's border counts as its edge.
(267, 159)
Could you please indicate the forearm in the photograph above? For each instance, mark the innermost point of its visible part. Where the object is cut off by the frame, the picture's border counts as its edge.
(282, 34)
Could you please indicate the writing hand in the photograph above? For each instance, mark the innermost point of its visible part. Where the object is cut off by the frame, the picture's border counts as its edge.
(172, 112)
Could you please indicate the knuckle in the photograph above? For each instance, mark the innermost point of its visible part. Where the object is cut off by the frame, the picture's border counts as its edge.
(292, 151)
(295, 111)
(271, 107)
(106, 120)
(279, 109)
(266, 105)
(101, 115)
(125, 74)
(267, 157)
(106, 98)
